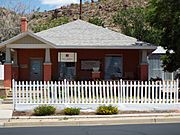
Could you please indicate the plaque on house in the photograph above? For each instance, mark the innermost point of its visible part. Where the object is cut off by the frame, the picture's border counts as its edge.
(67, 57)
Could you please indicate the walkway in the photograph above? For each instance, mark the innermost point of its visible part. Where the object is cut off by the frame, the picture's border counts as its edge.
(6, 111)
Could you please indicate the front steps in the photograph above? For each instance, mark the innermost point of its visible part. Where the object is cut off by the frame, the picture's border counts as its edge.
(9, 97)
(5, 92)
(7, 101)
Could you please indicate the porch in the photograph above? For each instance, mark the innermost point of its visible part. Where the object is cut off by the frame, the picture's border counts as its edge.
(87, 95)
(75, 64)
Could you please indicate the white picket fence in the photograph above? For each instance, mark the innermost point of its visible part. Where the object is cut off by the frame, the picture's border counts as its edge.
(95, 92)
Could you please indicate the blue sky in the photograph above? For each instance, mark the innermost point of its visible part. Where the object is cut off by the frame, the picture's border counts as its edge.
(34, 4)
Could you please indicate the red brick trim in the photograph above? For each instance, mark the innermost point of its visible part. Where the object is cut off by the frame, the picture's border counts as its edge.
(47, 71)
(144, 71)
(8, 75)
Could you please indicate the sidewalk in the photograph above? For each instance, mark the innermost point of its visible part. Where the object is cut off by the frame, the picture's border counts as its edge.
(92, 120)
(6, 111)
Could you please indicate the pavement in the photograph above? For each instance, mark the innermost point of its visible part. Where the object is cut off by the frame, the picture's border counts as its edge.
(92, 120)
(7, 120)
(6, 111)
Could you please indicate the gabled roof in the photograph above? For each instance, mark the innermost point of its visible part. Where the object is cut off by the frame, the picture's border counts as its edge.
(81, 34)
(22, 35)
(159, 50)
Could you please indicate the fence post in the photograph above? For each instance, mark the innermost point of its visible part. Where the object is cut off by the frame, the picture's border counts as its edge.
(121, 96)
(118, 88)
(13, 89)
(177, 91)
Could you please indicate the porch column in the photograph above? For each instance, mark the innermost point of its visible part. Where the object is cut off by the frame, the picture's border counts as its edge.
(144, 66)
(47, 65)
(8, 69)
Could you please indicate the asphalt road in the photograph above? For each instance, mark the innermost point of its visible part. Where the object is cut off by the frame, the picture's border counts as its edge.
(155, 129)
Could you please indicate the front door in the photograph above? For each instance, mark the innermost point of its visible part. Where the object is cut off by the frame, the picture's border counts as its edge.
(35, 69)
(67, 70)
(113, 67)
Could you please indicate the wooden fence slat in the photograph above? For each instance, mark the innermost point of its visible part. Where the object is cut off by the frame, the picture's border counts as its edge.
(135, 95)
(177, 91)
(160, 92)
(118, 89)
(127, 92)
(59, 92)
(104, 92)
(97, 95)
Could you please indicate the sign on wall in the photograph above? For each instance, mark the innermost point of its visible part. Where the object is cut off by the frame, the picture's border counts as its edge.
(67, 57)
(89, 64)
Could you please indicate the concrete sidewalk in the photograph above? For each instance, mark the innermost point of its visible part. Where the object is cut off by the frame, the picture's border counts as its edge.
(6, 111)
(93, 120)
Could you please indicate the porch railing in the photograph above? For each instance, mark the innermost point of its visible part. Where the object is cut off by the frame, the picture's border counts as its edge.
(96, 92)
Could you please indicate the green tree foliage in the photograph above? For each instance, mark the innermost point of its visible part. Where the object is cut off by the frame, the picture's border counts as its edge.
(132, 22)
(50, 24)
(165, 16)
(96, 21)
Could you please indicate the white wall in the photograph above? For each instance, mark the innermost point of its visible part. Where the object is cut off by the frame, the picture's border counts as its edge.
(1, 72)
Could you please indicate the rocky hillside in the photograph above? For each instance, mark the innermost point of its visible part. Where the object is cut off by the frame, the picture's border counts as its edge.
(103, 9)
(9, 24)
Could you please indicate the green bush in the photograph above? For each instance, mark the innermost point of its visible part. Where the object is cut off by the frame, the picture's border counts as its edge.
(2, 97)
(72, 111)
(96, 21)
(107, 110)
(44, 110)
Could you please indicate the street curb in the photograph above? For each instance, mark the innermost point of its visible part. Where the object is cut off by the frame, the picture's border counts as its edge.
(98, 116)
(91, 121)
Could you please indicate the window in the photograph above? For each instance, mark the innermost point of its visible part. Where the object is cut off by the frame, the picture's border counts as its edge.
(113, 67)
(90, 64)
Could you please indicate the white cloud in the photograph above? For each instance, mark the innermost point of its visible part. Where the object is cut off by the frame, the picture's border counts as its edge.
(58, 2)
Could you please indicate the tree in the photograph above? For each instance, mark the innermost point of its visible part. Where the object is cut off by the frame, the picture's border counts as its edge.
(96, 21)
(50, 24)
(132, 22)
(165, 16)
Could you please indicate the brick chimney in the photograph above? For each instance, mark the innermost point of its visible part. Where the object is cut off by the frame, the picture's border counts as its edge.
(24, 24)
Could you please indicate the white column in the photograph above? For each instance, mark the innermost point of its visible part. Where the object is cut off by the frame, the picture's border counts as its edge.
(47, 56)
(144, 57)
(8, 55)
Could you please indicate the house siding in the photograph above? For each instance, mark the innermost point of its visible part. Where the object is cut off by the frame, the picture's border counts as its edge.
(130, 61)
(24, 56)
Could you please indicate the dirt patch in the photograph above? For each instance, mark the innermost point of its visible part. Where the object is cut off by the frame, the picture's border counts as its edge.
(60, 113)
(22, 113)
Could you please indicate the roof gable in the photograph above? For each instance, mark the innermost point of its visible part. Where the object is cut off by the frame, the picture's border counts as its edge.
(25, 38)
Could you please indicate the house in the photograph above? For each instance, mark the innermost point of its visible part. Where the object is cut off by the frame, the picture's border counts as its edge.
(75, 51)
(155, 65)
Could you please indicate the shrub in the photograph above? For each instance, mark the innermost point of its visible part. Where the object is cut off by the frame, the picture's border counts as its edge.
(107, 110)
(2, 97)
(72, 111)
(44, 110)
(96, 21)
